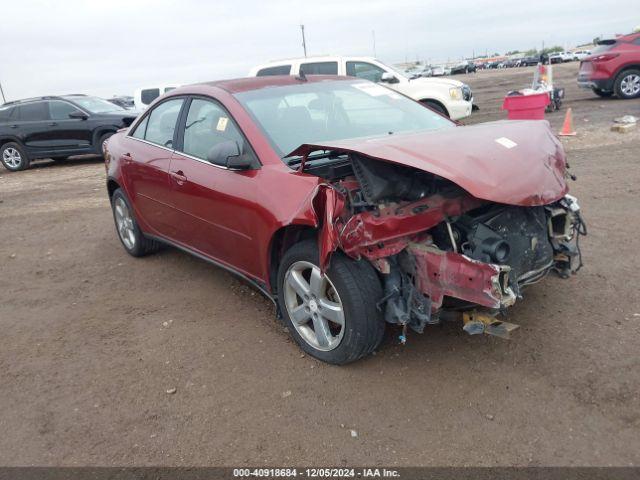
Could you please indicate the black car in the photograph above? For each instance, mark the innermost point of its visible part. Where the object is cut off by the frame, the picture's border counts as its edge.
(529, 61)
(57, 128)
(123, 101)
(464, 67)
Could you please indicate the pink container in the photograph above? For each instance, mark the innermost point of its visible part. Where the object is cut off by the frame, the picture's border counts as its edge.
(526, 107)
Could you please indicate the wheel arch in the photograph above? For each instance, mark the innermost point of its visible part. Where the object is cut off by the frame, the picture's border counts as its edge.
(426, 101)
(100, 131)
(281, 241)
(112, 186)
(5, 139)
(624, 68)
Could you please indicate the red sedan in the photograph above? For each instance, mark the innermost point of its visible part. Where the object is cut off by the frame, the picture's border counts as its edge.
(347, 204)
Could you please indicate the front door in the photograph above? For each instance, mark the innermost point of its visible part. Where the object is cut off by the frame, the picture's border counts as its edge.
(67, 133)
(211, 203)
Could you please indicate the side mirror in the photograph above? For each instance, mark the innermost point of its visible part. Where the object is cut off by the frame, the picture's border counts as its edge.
(388, 77)
(227, 154)
(78, 115)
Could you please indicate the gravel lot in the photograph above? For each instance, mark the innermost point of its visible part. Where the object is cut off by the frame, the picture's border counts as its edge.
(92, 339)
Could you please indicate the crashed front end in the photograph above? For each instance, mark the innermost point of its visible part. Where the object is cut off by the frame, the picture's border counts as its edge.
(437, 247)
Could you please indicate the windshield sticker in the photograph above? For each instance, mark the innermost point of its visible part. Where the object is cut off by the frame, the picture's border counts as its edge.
(222, 124)
(373, 89)
(505, 142)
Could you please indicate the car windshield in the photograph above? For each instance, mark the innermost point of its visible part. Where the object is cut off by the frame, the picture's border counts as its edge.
(96, 105)
(322, 112)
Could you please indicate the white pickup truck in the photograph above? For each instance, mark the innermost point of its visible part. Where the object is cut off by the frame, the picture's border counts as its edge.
(450, 97)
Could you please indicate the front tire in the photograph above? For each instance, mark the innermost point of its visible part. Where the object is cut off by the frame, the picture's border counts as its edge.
(628, 84)
(131, 237)
(14, 157)
(333, 317)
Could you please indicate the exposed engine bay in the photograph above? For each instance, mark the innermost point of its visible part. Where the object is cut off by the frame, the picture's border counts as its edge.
(436, 247)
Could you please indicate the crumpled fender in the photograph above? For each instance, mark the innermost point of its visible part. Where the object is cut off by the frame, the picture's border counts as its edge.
(327, 206)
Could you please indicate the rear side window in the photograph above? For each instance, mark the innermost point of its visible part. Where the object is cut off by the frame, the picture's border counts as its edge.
(141, 129)
(320, 68)
(162, 122)
(149, 95)
(280, 70)
(5, 113)
(34, 112)
(636, 41)
(604, 46)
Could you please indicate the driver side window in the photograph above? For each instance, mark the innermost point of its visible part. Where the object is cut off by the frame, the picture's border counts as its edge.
(365, 70)
(208, 125)
(161, 123)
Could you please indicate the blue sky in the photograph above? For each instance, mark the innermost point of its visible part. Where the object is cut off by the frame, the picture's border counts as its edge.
(113, 47)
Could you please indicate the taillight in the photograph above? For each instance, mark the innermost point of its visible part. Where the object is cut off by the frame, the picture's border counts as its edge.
(604, 57)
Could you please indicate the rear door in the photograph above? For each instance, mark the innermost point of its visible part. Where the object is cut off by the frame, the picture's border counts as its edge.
(212, 203)
(319, 68)
(31, 124)
(145, 165)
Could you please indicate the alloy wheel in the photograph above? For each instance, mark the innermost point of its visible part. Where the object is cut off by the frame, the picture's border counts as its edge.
(124, 223)
(314, 306)
(11, 157)
(630, 85)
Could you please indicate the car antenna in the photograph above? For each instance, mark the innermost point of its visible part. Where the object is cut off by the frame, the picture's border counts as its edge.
(301, 76)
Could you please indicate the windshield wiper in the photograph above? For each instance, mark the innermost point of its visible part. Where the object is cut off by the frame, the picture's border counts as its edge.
(297, 160)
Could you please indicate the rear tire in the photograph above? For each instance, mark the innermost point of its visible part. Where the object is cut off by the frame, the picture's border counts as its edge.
(131, 237)
(348, 286)
(14, 157)
(627, 84)
(602, 93)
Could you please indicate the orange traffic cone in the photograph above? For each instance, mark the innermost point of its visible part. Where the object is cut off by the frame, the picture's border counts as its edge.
(567, 126)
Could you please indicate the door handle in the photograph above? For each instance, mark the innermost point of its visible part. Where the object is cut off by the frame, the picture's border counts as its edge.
(13, 126)
(179, 177)
(126, 156)
(53, 124)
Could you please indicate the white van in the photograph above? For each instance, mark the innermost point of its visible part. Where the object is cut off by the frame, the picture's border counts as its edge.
(144, 96)
(450, 97)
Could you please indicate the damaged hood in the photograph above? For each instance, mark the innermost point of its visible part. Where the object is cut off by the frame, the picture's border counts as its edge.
(510, 162)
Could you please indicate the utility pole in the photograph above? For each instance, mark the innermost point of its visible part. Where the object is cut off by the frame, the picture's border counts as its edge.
(4, 100)
(373, 34)
(304, 43)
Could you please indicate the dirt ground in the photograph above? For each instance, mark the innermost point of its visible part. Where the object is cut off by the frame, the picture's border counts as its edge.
(92, 339)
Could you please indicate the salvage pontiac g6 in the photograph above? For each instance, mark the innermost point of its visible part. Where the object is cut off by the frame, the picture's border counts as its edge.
(348, 204)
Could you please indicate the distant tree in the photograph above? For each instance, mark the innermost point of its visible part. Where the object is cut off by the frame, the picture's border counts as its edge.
(531, 53)
(512, 52)
(596, 40)
(554, 49)
(496, 54)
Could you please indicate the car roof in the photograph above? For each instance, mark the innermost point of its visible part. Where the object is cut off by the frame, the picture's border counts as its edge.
(238, 85)
(47, 97)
